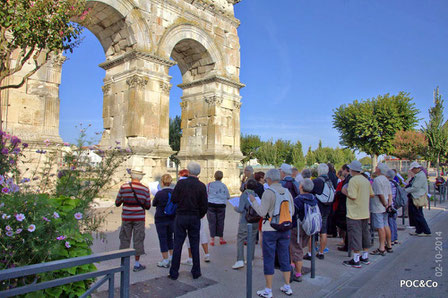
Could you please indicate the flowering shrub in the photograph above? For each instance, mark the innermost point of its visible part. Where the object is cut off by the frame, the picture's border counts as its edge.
(46, 217)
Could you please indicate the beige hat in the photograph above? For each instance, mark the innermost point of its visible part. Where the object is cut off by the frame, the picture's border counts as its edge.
(137, 171)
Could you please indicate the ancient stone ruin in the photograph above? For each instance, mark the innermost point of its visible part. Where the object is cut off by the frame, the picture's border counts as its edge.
(141, 41)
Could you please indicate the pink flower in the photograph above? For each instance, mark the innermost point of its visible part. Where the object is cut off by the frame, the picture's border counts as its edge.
(61, 237)
(66, 144)
(18, 231)
(67, 244)
(20, 217)
(8, 228)
(5, 190)
(9, 233)
(78, 215)
(31, 228)
(46, 219)
(56, 215)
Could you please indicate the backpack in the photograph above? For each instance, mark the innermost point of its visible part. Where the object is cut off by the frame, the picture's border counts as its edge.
(252, 215)
(401, 196)
(312, 221)
(281, 219)
(292, 186)
(170, 208)
(327, 196)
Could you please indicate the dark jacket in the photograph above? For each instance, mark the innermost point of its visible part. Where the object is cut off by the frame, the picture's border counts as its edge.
(160, 201)
(190, 195)
(259, 190)
(291, 184)
(333, 179)
(299, 204)
(318, 188)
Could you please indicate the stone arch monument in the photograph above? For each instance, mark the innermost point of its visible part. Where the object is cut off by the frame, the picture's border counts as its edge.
(141, 41)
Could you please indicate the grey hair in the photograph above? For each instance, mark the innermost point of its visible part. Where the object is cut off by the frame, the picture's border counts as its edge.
(250, 169)
(322, 169)
(273, 174)
(136, 176)
(287, 171)
(194, 168)
(306, 173)
(307, 184)
(390, 174)
(383, 168)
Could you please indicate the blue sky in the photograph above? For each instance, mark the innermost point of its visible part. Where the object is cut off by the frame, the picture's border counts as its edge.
(300, 60)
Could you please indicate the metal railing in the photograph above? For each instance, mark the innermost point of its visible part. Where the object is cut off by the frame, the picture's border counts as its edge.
(108, 274)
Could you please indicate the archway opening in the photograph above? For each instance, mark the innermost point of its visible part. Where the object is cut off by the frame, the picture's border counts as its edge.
(105, 37)
(81, 98)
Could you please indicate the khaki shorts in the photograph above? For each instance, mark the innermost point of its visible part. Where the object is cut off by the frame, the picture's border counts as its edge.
(136, 227)
(296, 249)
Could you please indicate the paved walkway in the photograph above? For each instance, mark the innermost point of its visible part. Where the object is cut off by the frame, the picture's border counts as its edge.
(219, 280)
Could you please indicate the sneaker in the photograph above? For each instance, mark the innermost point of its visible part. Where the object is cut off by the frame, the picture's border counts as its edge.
(364, 261)
(212, 243)
(188, 262)
(424, 235)
(222, 242)
(320, 256)
(352, 263)
(287, 291)
(164, 264)
(296, 278)
(414, 234)
(307, 257)
(264, 293)
(238, 265)
(207, 258)
(139, 268)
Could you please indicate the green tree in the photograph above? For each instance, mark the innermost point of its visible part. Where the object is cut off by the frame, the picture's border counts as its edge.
(435, 132)
(283, 149)
(366, 161)
(34, 32)
(249, 146)
(296, 156)
(409, 145)
(175, 136)
(369, 126)
(267, 153)
(310, 158)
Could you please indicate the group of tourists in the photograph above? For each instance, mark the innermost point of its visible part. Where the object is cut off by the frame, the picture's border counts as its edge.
(285, 210)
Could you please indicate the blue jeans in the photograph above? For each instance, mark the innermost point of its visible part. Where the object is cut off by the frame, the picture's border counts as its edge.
(392, 219)
(183, 225)
(274, 241)
(165, 232)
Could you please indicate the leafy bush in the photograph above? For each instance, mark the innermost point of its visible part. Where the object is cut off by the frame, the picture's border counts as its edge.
(48, 216)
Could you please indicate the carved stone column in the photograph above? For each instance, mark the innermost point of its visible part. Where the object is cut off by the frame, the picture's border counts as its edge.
(211, 127)
(136, 109)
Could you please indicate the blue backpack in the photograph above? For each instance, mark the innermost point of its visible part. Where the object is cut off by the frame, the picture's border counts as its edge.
(170, 208)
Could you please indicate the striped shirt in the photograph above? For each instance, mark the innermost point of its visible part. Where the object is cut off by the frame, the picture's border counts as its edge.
(133, 211)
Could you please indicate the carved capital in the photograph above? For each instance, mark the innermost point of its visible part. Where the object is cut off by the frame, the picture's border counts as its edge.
(213, 100)
(183, 104)
(165, 87)
(106, 89)
(58, 60)
(137, 81)
(237, 104)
